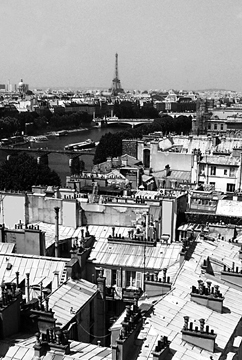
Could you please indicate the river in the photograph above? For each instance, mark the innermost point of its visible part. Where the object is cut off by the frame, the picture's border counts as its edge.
(60, 162)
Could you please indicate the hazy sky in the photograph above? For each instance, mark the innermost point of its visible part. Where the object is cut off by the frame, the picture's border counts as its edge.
(162, 44)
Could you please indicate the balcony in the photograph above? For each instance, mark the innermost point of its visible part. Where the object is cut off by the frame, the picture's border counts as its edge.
(125, 294)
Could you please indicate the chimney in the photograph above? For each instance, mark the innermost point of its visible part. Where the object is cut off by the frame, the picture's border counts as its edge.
(167, 170)
(100, 305)
(232, 275)
(203, 338)
(57, 231)
(27, 288)
(162, 349)
(125, 344)
(183, 253)
(55, 283)
(17, 279)
(39, 349)
(155, 286)
(55, 340)
(208, 296)
(101, 284)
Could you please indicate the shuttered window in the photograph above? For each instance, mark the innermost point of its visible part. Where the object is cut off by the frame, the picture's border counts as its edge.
(139, 280)
(119, 279)
(108, 275)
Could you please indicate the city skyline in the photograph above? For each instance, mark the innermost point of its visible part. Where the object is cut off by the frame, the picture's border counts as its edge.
(161, 45)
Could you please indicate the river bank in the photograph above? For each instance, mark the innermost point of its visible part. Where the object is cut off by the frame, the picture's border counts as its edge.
(60, 162)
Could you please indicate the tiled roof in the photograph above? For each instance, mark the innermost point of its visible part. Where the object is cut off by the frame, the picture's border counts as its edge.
(40, 268)
(72, 294)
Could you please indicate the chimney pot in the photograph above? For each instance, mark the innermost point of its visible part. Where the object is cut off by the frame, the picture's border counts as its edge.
(186, 319)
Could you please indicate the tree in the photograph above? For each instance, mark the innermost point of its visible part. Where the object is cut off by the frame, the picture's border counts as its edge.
(22, 171)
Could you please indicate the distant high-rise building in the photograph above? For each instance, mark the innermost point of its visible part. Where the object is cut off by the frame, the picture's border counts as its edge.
(116, 84)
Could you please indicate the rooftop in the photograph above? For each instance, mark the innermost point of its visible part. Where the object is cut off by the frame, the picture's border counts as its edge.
(229, 208)
(69, 298)
(132, 256)
(84, 351)
(220, 160)
(40, 268)
(169, 311)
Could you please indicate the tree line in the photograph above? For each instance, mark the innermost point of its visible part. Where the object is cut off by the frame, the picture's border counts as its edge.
(18, 123)
(20, 172)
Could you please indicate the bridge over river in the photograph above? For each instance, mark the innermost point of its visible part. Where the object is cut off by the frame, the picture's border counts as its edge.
(42, 154)
(116, 121)
(15, 149)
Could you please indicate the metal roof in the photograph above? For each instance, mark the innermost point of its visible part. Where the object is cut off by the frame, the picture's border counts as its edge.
(174, 175)
(220, 251)
(65, 232)
(229, 208)
(72, 294)
(220, 160)
(6, 248)
(40, 268)
(169, 310)
(78, 350)
(132, 256)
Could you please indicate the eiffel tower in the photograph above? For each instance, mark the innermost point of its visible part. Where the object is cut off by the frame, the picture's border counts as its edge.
(116, 84)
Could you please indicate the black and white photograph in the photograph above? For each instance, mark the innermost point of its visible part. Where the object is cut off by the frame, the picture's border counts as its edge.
(121, 180)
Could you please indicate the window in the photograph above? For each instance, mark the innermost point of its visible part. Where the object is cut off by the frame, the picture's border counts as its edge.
(202, 169)
(114, 277)
(209, 126)
(230, 187)
(225, 172)
(232, 171)
(222, 126)
(215, 126)
(130, 278)
(213, 170)
(212, 184)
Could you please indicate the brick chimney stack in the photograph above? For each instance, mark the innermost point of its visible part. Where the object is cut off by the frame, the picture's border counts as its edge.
(204, 338)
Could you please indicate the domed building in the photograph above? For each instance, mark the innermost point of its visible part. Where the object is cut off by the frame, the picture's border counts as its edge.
(22, 87)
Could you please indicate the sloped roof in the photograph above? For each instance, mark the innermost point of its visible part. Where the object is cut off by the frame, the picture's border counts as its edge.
(132, 256)
(40, 268)
(65, 232)
(221, 251)
(72, 294)
(174, 174)
(79, 350)
(169, 310)
(220, 160)
(6, 248)
(229, 208)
